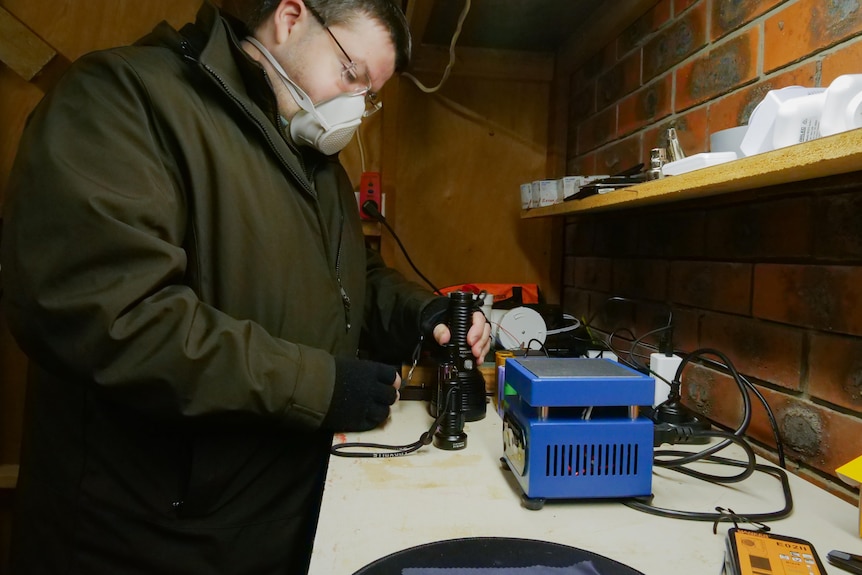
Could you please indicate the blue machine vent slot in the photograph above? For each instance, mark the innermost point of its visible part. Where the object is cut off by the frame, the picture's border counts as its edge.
(591, 459)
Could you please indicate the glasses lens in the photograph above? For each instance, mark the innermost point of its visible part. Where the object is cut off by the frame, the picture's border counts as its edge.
(372, 103)
(354, 81)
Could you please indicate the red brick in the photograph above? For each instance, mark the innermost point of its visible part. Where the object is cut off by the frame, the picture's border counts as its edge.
(812, 434)
(641, 278)
(619, 156)
(806, 27)
(569, 271)
(712, 394)
(760, 230)
(651, 329)
(820, 297)
(845, 60)
(646, 106)
(735, 108)
(592, 273)
(609, 313)
(576, 302)
(686, 328)
(835, 370)
(600, 62)
(678, 41)
(597, 130)
(674, 234)
(725, 67)
(616, 234)
(679, 6)
(762, 350)
(579, 237)
(585, 237)
(728, 15)
(581, 165)
(691, 129)
(582, 103)
(838, 220)
(713, 286)
(653, 316)
(635, 35)
(622, 79)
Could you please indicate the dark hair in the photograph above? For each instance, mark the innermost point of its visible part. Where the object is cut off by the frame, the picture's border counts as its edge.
(332, 12)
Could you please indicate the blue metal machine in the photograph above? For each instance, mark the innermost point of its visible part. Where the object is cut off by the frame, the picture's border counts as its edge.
(571, 429)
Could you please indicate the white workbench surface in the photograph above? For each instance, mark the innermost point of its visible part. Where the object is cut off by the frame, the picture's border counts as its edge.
(374, 507)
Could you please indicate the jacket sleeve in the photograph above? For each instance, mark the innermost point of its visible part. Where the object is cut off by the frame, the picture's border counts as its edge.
(94, 268)
(393, 311)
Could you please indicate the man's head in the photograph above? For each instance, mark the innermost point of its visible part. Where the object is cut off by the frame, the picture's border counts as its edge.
(332, 57)
(387, 13)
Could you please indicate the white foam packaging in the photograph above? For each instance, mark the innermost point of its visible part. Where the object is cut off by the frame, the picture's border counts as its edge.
(696, 162)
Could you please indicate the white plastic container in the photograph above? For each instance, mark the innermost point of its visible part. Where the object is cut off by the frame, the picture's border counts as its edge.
(843, 108)
(759, 137)
(798, 120)
(728, 140)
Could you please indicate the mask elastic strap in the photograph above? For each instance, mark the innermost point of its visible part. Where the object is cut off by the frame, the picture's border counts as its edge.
(298, 93)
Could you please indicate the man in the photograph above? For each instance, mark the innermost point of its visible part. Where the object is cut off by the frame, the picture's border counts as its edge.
(185, 268)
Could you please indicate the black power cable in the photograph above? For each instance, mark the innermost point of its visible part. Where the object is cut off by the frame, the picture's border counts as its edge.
(370, 207)
(668, 434)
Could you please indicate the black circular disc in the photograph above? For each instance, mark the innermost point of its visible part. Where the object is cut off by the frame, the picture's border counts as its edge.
(492, 552)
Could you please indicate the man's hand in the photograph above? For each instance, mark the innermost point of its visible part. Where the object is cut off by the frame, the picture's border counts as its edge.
(363, 392)
(478, 336)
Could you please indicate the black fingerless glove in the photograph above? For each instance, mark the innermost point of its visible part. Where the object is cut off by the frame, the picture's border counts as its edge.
(435, 312)
(363, 392)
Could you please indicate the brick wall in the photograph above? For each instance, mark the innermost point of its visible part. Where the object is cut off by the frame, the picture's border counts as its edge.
(771, 277)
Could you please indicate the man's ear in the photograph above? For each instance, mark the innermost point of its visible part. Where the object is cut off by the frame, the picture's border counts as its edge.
(286, 16)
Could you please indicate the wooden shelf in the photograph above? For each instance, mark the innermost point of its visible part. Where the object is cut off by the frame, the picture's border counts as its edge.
(832, 155)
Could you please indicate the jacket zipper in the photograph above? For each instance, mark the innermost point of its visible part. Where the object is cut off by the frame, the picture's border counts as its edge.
(345, 298)
(248, 113)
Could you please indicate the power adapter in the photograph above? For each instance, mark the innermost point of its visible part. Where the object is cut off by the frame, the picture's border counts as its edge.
(664, 367)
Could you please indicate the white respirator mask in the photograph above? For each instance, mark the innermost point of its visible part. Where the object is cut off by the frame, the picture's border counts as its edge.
(327, 127)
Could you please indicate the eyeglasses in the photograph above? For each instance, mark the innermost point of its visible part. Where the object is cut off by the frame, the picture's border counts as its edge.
(354, 81)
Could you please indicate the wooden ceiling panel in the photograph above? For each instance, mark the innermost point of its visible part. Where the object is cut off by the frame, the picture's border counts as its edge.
(529, 26)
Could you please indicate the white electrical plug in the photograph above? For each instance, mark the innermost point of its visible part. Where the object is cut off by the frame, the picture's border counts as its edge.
(665, 366)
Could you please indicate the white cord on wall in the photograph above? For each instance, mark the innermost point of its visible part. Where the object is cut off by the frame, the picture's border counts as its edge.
(451, 63)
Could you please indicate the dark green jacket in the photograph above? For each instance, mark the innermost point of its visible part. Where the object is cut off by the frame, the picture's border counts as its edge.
(178, 276)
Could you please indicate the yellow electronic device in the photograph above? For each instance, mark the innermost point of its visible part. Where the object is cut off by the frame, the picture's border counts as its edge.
(760, 553)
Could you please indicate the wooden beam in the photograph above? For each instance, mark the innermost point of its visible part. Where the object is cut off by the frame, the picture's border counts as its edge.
(21, 49)
(607, 23)
(418, 15)
(484, 63)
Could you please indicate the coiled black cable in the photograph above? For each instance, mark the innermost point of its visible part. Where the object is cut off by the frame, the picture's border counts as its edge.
(343, 449)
